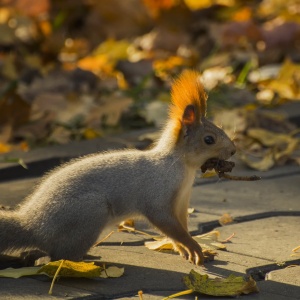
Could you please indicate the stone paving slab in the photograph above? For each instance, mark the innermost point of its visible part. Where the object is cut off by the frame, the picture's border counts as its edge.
(270, 239)
(244, 198)
(288, 276)
(153, 271)
(32, 289)
(157, 274)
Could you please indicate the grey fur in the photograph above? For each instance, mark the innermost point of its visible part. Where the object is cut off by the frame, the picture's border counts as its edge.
(68, 210)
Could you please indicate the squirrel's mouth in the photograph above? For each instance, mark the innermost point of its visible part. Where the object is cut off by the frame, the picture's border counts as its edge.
(220, 165)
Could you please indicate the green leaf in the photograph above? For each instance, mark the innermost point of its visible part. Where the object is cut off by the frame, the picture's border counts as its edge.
(230, 286)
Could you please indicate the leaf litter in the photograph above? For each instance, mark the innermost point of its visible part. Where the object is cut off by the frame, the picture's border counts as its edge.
(231, 286)
(227, 45)
(65, 268)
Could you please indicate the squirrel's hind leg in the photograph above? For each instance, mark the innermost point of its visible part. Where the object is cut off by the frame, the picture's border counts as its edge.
(72, 249)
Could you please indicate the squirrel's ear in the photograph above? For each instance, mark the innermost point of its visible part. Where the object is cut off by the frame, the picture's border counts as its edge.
(189, 116)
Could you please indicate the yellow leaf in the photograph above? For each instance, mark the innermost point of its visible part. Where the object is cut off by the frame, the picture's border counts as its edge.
(163, 67)
(155, 6)
(226, 219)
(210, 240)
(113, 50)
(243, 14)
(95, 64)
(164, 244)
(286, 84)
(190, 210)
(4, 148)
(196, 4)
(230, 286)
(127, 225)
(80, 269)
(105, 57)
(45, 27)
(209, 174)
(90, 133)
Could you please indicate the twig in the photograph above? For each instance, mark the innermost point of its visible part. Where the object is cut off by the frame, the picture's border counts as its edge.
(54, 278)
(229, 238)
(140, 293)
(131, 229)
(186, 292)
(239, 178)
(105, 238)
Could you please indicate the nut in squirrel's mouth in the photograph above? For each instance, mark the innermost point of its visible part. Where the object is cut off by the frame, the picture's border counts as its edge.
(220, 165)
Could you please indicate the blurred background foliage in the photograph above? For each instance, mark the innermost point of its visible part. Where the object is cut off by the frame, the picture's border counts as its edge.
(73, 70)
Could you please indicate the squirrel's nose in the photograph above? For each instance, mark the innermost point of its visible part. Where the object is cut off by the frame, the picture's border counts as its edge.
(233, 152)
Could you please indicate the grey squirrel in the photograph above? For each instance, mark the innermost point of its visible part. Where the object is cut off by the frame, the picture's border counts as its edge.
(73, 203)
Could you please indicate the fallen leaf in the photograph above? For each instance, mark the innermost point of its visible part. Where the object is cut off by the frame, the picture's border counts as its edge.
(112, 272)
(127, 225)
(159, 245)
(268, 138)
(163, 67)
(90, 133)
(155, 6)
(264, 164)
(190, 210)
(287, 82)
(226, 219)
(280, 148)
(230, 286)
(196, 4)
(220, 287)
(264, 73)
(80, 269)
(210, 240)
(105, 57)
(68, 269)
(209, 174)
(5, 148)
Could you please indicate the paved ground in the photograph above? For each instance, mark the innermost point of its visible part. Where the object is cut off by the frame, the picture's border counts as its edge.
(266, 228)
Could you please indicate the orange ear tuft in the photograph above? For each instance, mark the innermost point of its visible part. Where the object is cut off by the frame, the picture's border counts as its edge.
(187, 90)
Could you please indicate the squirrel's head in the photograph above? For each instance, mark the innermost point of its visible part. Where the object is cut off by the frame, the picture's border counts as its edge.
(199, 138)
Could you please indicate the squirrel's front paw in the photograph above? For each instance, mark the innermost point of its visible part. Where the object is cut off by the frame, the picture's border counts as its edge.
(192, 252)
(196, 256)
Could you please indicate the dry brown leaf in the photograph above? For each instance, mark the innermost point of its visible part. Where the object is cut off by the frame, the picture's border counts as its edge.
(287, 82)
(208, 241)
(264, 164)
(127, 225)
(226, 219)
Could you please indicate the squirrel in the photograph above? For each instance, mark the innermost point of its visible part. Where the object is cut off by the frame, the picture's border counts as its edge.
(67, 211)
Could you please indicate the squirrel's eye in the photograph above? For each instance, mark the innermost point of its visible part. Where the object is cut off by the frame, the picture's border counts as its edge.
(209, 140)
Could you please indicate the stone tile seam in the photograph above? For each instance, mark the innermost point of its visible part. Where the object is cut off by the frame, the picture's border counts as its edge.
(267, 177)
(211, 225)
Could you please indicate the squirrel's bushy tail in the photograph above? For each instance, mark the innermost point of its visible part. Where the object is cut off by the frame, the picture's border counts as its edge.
(13, 235)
